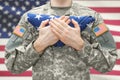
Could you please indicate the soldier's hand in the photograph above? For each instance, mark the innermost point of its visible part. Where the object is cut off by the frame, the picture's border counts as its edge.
(46, 37)
(68, 35)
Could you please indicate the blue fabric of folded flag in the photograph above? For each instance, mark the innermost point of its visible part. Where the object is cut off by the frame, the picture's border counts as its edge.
(36, 19)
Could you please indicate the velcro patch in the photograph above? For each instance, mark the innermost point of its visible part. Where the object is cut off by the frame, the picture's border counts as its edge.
(19, 31)
(100, 29)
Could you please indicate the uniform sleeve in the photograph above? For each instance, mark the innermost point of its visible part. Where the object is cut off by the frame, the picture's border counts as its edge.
(99, 52)
(19, 52)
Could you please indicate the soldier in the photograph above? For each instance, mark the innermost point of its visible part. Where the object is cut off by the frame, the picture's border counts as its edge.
(93, 47)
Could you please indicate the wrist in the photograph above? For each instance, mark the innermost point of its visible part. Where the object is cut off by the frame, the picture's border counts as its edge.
(39, 47)
(79, 44)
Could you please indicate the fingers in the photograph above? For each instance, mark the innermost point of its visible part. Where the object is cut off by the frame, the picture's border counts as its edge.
(62, 17)
(68, 21)
(44, 23)
(54, 25)
(56, 33)
(65, 18)
(76, 25)
(57, 23)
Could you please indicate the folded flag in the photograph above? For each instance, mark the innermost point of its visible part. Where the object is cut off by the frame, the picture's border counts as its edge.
(36, 19)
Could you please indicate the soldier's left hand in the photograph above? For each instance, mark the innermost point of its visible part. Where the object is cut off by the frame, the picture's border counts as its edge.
(67, 34)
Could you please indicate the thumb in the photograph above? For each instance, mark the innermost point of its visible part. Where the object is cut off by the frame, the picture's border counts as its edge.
(76, 25)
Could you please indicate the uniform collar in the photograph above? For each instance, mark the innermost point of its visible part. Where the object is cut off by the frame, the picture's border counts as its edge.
(51, 11)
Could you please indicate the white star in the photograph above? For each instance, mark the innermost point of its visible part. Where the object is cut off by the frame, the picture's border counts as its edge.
(13, 27)
(38, 16)
(6, 12)
(23, 8)
(13, 8)
(9, 33)
(4, 29)
(1, 8)
(15, 20)
(33, 6)
(0, 34)
(27, 3)
(52, 17)
(9, 24)
(18, 12)
(10, 16)
(37, 3)
(6, 3)
(4, 20)
(16, 3)
(78, 17)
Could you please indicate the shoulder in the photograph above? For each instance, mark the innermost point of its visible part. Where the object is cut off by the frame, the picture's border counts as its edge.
(82, 8)
(86, 11)
(36, 10)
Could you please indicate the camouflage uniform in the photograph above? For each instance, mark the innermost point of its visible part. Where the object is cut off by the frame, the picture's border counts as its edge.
(61, 63)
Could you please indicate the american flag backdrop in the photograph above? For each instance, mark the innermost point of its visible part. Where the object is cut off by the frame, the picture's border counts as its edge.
(12, 10)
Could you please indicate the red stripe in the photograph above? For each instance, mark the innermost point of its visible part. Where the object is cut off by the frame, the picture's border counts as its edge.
(2, 47)
(112, 22)
(29, 73)
(106, 9)
(118, 45)
(2, 60)
(118, 61)
(113, 72)
(7, 73)
(116, 33)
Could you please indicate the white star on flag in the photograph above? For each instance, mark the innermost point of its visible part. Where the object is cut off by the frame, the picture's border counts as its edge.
(52, 17)
(1, 7)
(38, 16)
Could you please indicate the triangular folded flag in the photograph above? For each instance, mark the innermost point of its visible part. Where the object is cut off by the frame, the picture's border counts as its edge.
(36, 19)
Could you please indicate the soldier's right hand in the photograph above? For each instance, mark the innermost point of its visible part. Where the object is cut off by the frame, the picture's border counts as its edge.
(46, 37)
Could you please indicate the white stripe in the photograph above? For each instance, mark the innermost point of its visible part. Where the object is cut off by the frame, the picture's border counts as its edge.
(3, 68)
(113, 27)
(104, 77)
(2, 54)
(111, 16)
(116, 38)
(118, 53)
(93, 77)
(99, 3)
(15, 78)
(116, 67)
(3, 41)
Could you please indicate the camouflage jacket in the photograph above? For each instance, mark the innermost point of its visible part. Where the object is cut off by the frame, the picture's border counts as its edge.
(61, 63)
